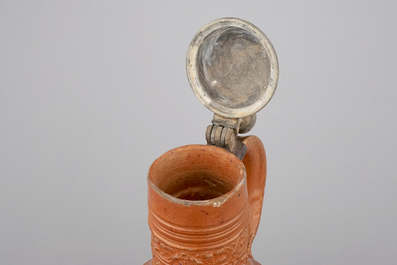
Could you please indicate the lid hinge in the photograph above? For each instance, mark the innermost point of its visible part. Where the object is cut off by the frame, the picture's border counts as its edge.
(223, 133)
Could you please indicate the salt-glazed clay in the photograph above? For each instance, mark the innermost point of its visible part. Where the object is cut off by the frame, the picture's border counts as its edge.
(205, 205)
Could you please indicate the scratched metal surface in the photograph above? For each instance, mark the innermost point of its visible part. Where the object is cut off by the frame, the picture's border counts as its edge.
(232, 67)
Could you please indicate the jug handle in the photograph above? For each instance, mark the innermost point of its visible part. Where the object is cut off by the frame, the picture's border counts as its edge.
(255, 164)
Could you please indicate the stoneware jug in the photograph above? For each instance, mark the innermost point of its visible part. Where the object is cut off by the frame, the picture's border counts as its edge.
(205, 204)
(205, 201)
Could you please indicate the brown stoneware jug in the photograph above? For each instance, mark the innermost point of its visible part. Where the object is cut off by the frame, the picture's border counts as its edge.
(205, 201)
(205, 204)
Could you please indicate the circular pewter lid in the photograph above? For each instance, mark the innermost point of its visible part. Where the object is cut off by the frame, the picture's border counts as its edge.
(232, 67)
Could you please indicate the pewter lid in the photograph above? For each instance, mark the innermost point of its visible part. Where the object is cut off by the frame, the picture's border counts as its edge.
(232, 67)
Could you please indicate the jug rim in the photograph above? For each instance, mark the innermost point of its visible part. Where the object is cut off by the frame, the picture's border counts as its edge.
(215, 202)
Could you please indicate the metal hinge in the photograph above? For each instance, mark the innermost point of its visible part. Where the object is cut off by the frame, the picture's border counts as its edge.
(223, 133)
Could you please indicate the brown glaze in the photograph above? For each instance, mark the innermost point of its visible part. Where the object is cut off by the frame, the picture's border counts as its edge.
(255, 164)
(202, 208)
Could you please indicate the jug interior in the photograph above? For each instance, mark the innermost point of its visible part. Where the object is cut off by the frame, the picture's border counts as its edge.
(198, 186)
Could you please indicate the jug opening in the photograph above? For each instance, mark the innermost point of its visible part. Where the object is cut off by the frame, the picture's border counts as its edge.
(197, 173)
(198, 186)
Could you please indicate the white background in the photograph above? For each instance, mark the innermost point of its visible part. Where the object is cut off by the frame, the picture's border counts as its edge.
(91, 92)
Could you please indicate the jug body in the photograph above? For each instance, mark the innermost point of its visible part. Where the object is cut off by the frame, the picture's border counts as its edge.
(200, 208)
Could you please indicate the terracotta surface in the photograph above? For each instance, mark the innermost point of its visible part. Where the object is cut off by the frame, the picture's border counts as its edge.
(203, 207)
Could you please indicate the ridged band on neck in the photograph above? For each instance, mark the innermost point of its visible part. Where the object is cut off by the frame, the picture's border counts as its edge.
(198, 238)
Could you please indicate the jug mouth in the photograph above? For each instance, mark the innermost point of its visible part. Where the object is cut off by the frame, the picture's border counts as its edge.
(197, 175)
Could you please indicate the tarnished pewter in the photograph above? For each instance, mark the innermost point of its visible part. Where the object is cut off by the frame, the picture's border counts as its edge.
(233, 70)
(223, 133)
(232, 67)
